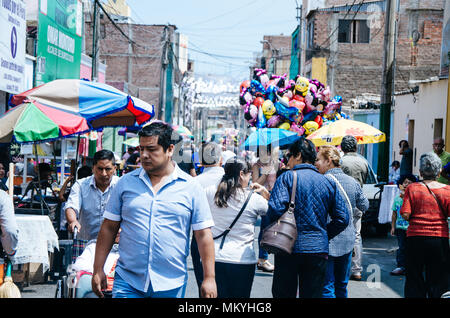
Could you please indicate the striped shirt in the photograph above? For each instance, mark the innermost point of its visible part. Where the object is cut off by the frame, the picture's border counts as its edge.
(343, 243)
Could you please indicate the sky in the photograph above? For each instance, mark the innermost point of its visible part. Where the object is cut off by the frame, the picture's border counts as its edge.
(227, 33)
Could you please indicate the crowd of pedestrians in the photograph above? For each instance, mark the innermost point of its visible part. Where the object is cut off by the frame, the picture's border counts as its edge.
(166, 206)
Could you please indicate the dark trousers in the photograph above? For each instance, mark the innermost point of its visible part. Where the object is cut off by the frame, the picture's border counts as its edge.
(429, 256)
(302, 272)
(234, 280)
(197, 264)
(401, 252)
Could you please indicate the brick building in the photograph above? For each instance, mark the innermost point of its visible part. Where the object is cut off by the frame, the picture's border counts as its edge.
(276, 54)
(136, 68)
(346, 41)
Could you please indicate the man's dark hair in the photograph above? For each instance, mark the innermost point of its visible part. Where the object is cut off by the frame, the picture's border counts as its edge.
(401, 141)
(349, 144)
(410, 177)
(306, 148)
(165, 133)
(104, 154)
(83, 172)
(395, 163)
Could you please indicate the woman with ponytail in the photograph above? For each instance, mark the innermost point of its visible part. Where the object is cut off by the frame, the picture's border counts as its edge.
(235, 208)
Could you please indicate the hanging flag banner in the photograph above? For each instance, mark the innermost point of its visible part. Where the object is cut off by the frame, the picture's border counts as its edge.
(12, 45)
(60, 30)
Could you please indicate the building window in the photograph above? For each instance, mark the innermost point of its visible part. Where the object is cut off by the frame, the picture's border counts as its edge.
(353, 31)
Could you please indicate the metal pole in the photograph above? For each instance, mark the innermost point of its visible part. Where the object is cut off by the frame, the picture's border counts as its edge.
(94, 43)
(387, 88)
(299, 38)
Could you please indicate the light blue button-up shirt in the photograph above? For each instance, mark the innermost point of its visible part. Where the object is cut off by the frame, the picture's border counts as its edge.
(89, 203)
(154, 242)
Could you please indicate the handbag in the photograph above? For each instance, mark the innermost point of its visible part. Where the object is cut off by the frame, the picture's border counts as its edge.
(280, 236)
(225, 233)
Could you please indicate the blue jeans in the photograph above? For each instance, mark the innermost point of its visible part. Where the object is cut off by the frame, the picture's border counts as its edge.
(337, 276)
(262, 254)
(122, 289)
(401, 252)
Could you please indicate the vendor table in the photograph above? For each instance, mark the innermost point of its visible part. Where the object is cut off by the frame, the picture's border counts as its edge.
(387, 199)
(37, 238)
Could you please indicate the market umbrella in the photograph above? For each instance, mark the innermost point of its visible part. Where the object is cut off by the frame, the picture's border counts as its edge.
(102, 105)
(34, 122)
(333, 133)
(266, 136)
(183, 131)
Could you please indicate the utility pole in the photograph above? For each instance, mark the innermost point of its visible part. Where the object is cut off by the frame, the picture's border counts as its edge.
(299, 37)
(387, 87)
(94, 60)
(163, 81)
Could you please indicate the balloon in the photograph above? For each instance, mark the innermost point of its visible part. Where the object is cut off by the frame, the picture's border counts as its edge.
(299, 105)
(298, 129)
(285, 125)
(256, 87)
(310, 116)
(244, 85)
(310, 127)
(288, 93)
(248, 97)
(274, 121)
(299, 98)
(297, 118)
(319, 120)
(271, 93)
(264, 78)
(258, 101)
(301, 85)
(283, 108)
(268, 108)
(253, 111)
(285, 111)
(261, 121)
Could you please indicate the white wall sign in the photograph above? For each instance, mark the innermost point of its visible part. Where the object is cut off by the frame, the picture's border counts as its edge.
(12, 45)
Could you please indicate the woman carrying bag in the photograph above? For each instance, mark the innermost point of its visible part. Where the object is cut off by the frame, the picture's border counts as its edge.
(341, 246)
(426, 205)
(235, 209)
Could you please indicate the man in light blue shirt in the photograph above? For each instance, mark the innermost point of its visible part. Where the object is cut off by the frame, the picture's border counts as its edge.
(155, 206)
(88, 197)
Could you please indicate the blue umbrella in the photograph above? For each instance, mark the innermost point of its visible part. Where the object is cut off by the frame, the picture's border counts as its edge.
(266, 136)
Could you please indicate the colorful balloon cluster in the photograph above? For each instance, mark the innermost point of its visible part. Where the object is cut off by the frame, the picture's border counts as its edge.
(301, 105)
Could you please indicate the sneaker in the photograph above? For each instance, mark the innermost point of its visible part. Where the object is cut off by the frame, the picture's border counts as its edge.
(265, 266)
(398, 271)
(356, 276)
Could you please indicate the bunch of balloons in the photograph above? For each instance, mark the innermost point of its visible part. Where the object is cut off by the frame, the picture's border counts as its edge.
(302, 105)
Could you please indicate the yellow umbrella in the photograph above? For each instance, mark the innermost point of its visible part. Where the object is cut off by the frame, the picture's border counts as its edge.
(333, 133)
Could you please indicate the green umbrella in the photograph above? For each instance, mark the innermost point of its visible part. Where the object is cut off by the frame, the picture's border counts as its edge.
(132, 142)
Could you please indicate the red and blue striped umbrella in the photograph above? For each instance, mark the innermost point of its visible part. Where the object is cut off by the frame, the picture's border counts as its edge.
(102, 105)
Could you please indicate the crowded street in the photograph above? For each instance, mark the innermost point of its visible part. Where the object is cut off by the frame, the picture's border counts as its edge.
(225, 150)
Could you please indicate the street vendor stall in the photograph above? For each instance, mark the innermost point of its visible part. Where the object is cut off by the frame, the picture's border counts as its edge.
(37, 238)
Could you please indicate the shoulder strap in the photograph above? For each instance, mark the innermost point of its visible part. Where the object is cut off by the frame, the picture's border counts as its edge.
(225, 233)
(294, 189)
(342, 189)
(439, 203)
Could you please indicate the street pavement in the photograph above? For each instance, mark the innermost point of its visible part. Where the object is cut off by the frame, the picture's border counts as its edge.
(378, 261)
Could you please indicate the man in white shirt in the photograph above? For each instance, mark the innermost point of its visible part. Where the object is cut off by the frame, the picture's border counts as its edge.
(211, 160)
